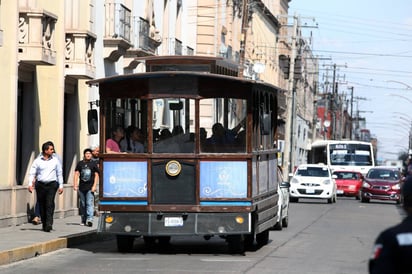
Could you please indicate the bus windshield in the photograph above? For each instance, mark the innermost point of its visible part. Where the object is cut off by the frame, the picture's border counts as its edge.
(350, 154)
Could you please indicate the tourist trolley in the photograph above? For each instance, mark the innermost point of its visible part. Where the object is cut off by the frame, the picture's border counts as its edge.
(209, 163)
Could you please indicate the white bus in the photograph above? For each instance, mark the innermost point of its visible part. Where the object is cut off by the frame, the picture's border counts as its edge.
(343, 155)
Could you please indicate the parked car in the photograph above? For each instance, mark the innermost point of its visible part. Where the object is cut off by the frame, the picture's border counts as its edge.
(313, 181)
(382, 183)
(283, 202)
(348, 183)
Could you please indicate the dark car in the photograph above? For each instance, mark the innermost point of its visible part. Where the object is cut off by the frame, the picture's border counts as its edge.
(348, 183)
(382, 183)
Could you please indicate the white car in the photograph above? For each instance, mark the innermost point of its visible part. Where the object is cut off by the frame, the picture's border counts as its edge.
(313, 181)
(283, 202)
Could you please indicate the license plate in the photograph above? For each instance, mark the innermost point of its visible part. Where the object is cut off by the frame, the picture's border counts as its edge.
(339, 191)
(310, 191)
(173, 221)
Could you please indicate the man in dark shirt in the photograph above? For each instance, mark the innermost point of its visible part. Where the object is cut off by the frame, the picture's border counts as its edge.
(86, 178)
(392, 252)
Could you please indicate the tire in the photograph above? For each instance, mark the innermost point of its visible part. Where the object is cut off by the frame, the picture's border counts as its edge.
(330, 200)
(164, 240)
(262, 238)
(293, 199)
(278, 225)
(236, 244)
(285, 221)
(124, 243)
(364, 200)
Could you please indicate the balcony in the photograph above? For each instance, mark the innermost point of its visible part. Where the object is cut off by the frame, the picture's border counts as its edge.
(116, 39)
(145, 43)
(36, 37)
(79, 54)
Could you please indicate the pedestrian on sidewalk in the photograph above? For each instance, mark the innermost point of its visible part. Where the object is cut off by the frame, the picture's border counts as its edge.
(86, 177)
(36, 217)
(46, 171)
(95, 158)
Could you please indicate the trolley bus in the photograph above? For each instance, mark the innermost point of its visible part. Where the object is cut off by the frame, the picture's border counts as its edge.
(209, 164)
(343, 155)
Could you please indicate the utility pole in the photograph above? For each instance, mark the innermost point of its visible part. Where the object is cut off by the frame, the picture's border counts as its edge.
(351, 113)
(291, 97)
(245, 23)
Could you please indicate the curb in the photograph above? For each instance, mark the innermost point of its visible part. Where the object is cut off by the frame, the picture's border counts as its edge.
(30, 251)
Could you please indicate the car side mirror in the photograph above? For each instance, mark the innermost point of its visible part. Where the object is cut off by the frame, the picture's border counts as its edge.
(334, 176)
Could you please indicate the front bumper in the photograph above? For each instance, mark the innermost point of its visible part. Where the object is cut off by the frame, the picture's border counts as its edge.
(174, 224)
(311, 192)
(387, 196)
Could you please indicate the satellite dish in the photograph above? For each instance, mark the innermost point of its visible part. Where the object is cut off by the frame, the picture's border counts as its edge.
(258, 67)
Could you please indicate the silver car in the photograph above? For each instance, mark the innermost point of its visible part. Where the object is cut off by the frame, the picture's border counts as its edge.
(283, 202)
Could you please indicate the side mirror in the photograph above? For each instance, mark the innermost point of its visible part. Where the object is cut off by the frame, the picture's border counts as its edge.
(284, 185)
(265, 124)
(334, 176)
(92, 121)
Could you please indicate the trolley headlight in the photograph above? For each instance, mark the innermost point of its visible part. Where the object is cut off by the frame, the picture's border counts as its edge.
(109, 219)
(173, 168)
(239, 219)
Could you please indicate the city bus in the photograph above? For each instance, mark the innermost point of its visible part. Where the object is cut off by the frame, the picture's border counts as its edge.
(209, 163)
(343, 155)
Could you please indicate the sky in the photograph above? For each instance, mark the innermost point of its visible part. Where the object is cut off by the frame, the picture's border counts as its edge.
(370, 41)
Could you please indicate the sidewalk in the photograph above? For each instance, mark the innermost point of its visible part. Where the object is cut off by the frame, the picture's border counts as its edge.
(28, 240)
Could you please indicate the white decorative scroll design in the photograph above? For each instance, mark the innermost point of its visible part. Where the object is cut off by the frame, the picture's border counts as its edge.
(69, 46)
(23, 30)
(89, 50)
(48, 32)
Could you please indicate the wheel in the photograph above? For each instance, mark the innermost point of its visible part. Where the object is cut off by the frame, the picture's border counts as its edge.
(164, 240)
(262, 238)
(149, 241)
(293, 199)
(124, 243)
(365, 200)
(278, 225)
(330, 200)
(236, 243)
(357, 197)
(285, 221)
(335, 198)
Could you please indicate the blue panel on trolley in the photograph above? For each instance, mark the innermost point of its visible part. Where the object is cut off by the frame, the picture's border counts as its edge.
(223, 179)
(125, 179)
(123, 202)
(221, 203)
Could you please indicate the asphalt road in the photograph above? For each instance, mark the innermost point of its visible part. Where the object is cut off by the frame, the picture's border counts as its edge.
(321, 238)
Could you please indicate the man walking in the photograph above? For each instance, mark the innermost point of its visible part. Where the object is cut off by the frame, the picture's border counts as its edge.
(87, 173)
(46, 171)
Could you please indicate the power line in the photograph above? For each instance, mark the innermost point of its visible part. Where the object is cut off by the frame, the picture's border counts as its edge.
(366, 53)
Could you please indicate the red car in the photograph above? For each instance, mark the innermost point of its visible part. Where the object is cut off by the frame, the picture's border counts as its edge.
(382, 183)
(348, 183)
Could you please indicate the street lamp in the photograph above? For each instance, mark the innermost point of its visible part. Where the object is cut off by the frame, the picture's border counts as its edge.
(399, 82)
(401, 96)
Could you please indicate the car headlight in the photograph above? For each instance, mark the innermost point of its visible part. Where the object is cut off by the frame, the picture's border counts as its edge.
(326, 182)
(294, 181)
(396, 187)
(366, 185)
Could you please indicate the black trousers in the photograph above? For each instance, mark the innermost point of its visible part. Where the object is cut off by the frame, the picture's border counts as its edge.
(46, 193)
